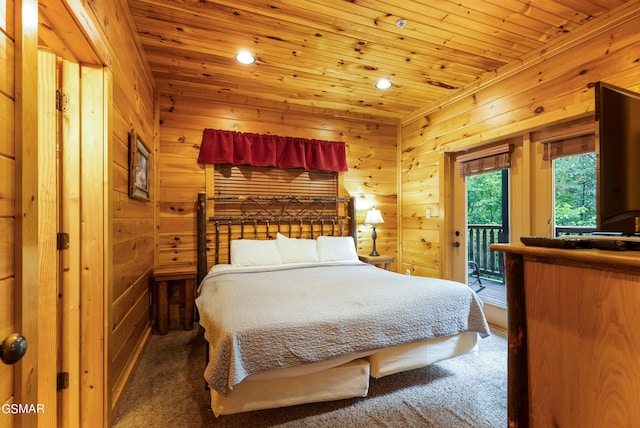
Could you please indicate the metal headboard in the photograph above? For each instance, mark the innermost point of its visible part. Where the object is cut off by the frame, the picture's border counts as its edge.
(261, 217)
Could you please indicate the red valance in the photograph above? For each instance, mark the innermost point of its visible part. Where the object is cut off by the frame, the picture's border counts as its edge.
(239, 148)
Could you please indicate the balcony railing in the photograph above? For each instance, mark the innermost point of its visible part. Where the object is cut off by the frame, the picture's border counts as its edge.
(480, 237)
(574, 230)
(491, 263)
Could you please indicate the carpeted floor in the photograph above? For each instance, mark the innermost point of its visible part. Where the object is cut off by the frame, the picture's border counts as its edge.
(167, 390)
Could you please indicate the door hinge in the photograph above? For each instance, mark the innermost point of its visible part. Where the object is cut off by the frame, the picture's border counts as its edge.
(62, 102)
(62, 381)
(63, 241)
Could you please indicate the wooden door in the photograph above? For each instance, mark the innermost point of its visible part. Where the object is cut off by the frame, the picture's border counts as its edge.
(47, 173)
(66, 302)
(29, 221)
(19, 208)
(457, 230)
(63, 320)
(8, 190)
(9, 287)
(69, 258)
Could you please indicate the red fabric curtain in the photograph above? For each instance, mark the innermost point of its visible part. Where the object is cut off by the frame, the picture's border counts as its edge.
(238, 148)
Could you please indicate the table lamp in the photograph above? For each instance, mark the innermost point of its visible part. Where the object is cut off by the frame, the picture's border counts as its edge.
(374, 218)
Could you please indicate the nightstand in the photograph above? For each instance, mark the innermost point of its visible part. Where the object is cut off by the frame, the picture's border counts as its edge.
(164, 279)
(380, 261)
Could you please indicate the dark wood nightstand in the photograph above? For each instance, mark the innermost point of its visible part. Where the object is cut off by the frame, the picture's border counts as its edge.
(164, 278)
(380, 261)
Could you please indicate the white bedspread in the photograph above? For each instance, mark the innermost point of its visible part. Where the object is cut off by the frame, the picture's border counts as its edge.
(260, 320)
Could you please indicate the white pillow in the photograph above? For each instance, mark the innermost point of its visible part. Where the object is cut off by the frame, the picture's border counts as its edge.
(294, 250)
(250, 252)
(336, 248)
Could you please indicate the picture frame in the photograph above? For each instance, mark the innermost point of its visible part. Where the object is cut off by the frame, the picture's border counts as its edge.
(139, 167)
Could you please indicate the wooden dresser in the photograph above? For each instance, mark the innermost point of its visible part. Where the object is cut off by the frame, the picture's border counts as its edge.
(574, 337)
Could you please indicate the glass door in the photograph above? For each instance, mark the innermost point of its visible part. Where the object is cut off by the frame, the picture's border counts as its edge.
(487, 203)
(479, 206)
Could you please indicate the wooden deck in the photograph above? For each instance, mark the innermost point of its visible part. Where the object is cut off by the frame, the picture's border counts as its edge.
(494, 291)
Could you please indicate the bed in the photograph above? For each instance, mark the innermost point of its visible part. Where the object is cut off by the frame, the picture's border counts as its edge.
(292, 320)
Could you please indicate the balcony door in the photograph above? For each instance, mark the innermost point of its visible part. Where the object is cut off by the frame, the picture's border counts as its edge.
(480, 217)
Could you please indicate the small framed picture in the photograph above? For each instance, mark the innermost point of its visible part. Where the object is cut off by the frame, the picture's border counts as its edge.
(139, 167)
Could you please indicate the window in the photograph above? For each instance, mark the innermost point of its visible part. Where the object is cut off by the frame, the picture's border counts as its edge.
(572, 153)
(574, 179)
(242, 181)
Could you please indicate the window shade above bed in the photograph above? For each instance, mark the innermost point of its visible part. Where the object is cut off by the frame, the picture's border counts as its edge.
(248, 180)
(240, 190)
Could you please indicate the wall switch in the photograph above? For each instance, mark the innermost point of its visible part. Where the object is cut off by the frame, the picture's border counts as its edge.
(427, 213)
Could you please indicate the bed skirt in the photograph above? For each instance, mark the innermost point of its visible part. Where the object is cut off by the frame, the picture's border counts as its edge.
(344, 381)
(342, 378)
(411, 356)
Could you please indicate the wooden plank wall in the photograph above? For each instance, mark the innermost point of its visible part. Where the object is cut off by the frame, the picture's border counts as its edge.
(553, 86)
(371, 153)
(133, 106)
(7, 192)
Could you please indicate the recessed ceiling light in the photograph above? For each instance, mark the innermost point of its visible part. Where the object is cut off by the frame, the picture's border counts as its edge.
(245, 57)
(383, 84)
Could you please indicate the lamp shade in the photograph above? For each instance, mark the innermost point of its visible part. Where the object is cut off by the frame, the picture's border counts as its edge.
(374, 217)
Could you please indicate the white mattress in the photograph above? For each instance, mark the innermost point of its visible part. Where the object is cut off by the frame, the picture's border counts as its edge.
(339, 378)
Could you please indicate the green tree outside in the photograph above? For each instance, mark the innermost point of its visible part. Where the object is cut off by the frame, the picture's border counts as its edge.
(575, 190)
(575, 193)
(484, 198)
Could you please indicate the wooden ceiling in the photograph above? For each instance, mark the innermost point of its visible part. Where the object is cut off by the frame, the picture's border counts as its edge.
(328, 54)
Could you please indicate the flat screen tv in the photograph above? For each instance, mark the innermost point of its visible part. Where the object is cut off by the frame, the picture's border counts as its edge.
(618, 160)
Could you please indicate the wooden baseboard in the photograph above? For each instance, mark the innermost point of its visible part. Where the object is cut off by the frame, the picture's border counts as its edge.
(127, 373)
